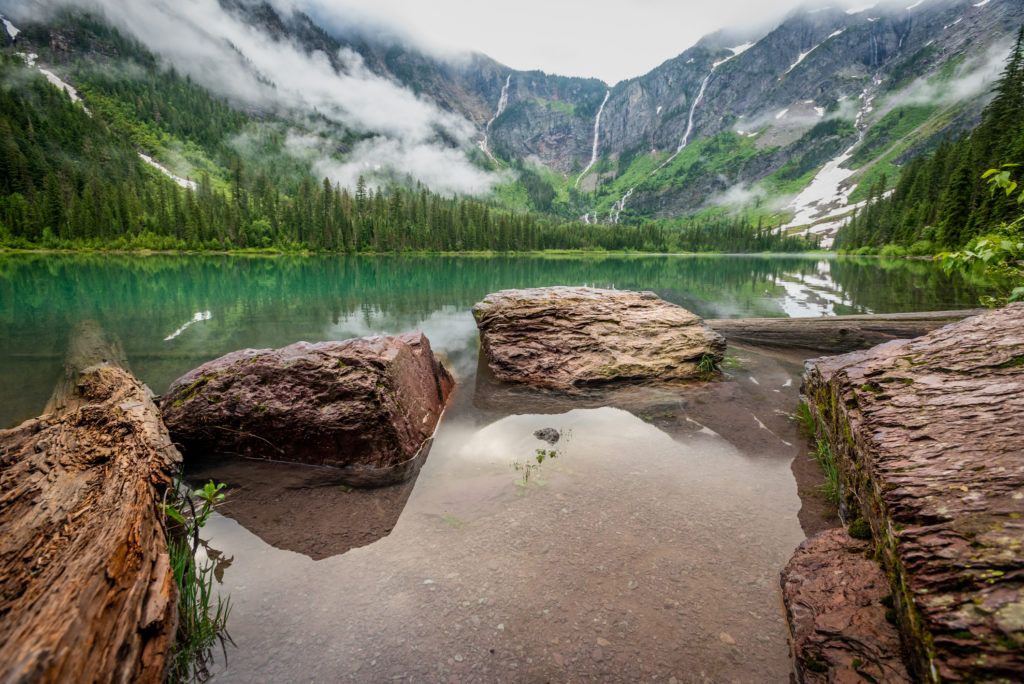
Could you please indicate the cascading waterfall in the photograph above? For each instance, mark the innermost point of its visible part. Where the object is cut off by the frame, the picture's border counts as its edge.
(502, 104)
(617, 208)
(689, 122)
(597, 131)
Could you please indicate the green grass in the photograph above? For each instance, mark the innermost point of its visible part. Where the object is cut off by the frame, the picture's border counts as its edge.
(202, 612)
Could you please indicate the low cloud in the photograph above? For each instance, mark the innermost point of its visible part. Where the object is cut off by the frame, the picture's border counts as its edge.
(406, 134)
(743, 196)
(974, 77)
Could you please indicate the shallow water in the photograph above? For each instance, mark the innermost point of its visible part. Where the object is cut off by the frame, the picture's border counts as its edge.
(647, 547)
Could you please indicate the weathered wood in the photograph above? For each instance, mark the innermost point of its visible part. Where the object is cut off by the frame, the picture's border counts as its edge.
(89, 346)
(835, 334)
(86, 588)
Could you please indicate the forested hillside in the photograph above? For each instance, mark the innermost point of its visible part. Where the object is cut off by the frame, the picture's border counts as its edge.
(73, 176)
(942, 201)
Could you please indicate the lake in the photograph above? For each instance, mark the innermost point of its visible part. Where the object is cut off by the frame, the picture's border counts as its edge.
(648, 547)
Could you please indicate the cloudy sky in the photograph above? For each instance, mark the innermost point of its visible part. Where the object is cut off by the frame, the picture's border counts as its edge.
(607, 39)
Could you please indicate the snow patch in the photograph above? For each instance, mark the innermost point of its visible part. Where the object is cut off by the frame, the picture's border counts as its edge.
(183, 182)
(12, 30)
(740, 49)
(199, 316)
(858, 10)
(828, 194)
(916, 4)
(782, 113)
(982, 3)
(658, 110)
(56, 80)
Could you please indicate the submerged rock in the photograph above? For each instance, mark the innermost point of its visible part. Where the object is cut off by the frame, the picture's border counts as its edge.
(369, 405)
(566, 337)
(835, 602)
(929, 443)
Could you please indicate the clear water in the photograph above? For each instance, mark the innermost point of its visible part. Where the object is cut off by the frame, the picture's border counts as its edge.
(647, 548)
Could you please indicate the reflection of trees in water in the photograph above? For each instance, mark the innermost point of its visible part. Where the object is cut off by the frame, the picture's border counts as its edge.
(273, 301)
(146, 298)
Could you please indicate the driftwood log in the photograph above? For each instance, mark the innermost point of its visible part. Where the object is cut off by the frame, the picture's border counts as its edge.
(86, 588)
(835, 334)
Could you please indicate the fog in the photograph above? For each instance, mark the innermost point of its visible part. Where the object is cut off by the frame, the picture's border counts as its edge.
(406, 134)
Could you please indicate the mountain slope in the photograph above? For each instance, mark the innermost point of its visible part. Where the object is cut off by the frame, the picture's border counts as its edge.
(795, 124)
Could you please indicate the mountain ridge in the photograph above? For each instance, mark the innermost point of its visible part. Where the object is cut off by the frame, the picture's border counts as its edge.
(716, 128)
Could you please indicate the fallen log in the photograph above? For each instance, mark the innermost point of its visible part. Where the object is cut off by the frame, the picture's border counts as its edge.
(86, 588)
(835, 334)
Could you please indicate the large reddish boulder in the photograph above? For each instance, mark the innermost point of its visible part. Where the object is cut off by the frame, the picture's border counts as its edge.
(835, 600)
(571, 337)
(928, 439)
(368, 405)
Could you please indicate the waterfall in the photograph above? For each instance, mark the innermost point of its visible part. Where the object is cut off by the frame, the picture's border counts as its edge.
(597, 130)
(617, 208)
(689, 122)
(502, 104)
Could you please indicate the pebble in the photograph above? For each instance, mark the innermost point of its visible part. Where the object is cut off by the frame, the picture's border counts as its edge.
(727, 638)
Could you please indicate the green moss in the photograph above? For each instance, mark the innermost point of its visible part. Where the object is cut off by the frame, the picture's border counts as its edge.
(1013, 363)
(813, 664)
(859, 529)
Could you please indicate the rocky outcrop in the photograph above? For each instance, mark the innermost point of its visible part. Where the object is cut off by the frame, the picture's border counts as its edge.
(573, 337)
(835, 602)
(368, 405)
(928, 439)
(87, 590)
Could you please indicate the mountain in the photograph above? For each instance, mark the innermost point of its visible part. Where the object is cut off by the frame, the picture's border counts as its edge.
(790, 126)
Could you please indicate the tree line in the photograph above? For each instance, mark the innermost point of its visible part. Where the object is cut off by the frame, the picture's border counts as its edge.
(72, 179)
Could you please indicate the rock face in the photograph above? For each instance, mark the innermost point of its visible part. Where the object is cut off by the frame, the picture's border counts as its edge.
(835, 603)
(572, 337)
(368, 405)
(929, 441)
(87, 590)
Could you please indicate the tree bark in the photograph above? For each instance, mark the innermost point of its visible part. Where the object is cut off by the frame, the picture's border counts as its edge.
(835, 334)
(86, 588)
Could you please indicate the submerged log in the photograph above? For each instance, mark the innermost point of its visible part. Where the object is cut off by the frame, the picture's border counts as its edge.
(835, 334)
(86, 588)
(928, 441)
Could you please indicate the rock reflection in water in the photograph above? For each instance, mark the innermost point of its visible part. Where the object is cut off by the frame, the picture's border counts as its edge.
(303, 509)
(638, 553)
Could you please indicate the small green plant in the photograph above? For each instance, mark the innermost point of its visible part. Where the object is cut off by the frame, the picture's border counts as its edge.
(805, 419)
(202, 614)
(811, 426)
(1001, 251)
(706, 367)
(859, 529)
(823, 454)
